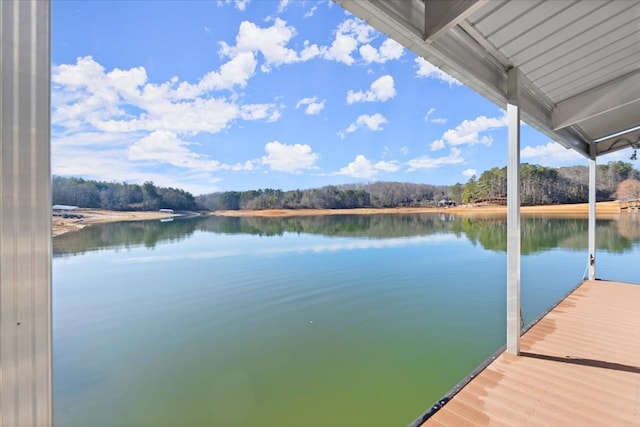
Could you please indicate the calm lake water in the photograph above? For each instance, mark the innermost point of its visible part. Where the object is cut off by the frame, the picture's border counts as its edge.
(311, 321)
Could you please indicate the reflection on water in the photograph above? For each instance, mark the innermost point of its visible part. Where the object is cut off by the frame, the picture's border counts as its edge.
(538, 233)
(309, 321)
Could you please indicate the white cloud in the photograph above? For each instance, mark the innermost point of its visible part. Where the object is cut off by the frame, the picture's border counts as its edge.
(427, 70)
(239, 4)
(283, 5)
(310, 12)
(236, 72)
(551, 154)
(469, 172)
(267, 112)
(108, 124)
(271, 42)
(362, 167)
(381, 90)
(389, 50)
(391, 166)
(438, 144)
(404, 150)
(166, 147)
(468, 132)
(85, 96)
(341, 49)
(428, 118)
(289, 158)
(373, 122)
(80, 155)
(313, 107)
(426, 162)
(358, 29)
(349, 34)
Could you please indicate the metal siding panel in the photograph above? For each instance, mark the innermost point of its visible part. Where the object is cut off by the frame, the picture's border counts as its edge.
(576, 33)
(591, 77)
(621, 37)
(548, 29)
(550, 26)
(486, 11)
(503, 15)
(593, 61)
(25, 222)
(525, 28)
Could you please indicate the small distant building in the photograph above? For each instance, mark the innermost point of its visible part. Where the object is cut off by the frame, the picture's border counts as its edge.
(63, 208)
(631, 205)
(446, 203)
(65, 211)
(166, 210)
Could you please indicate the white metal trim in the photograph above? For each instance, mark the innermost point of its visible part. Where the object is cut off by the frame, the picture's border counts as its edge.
(606, 98)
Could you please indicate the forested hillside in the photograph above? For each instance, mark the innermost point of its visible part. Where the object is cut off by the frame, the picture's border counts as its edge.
(375, 195)
(119, 196)
(539, 185)
(542, 185)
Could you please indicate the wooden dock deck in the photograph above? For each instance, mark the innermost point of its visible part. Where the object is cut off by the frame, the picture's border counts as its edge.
(579, 366)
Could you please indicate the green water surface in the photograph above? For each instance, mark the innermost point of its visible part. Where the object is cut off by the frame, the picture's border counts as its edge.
(292, 322)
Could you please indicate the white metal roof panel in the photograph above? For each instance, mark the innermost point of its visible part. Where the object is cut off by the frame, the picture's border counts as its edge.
(567, 52)
(619, 38)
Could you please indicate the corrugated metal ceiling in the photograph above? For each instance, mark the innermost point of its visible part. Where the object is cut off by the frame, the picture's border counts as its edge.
(579, 60)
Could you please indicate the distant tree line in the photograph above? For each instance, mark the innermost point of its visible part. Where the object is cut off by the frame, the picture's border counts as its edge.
(119, 196)
(539, 185)
(373, 195)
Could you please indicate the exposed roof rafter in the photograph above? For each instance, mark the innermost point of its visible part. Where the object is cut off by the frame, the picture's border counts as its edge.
(442, 15)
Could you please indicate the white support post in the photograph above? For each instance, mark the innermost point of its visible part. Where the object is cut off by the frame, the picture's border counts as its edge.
(592, 214)
(513, 214)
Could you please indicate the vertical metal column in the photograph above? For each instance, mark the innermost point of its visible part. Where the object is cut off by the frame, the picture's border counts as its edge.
(592, 214)
(513, 214)
(25, 214)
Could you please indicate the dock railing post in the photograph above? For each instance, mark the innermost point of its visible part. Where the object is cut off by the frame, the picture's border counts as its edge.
(592, 214)
(513, 214)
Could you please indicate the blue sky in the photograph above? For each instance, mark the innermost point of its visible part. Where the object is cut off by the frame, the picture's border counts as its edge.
(243, 94)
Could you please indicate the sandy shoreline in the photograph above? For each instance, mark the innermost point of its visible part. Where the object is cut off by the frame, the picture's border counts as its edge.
(100, 216)
(576, 210)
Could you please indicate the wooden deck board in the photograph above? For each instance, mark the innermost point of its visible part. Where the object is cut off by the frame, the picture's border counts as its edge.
(580, 365)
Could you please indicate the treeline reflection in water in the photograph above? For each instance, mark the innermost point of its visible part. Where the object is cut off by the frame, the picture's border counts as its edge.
(538, 233)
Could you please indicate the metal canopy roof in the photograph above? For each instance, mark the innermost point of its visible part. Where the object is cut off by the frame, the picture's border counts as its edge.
(579, 61)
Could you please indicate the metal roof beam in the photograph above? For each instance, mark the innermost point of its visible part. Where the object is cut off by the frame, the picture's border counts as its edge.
(619, 142)
(398, 26)
(603, 99)
(442, 15)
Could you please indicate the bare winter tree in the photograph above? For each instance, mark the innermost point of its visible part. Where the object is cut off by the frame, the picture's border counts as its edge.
(629, 189)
